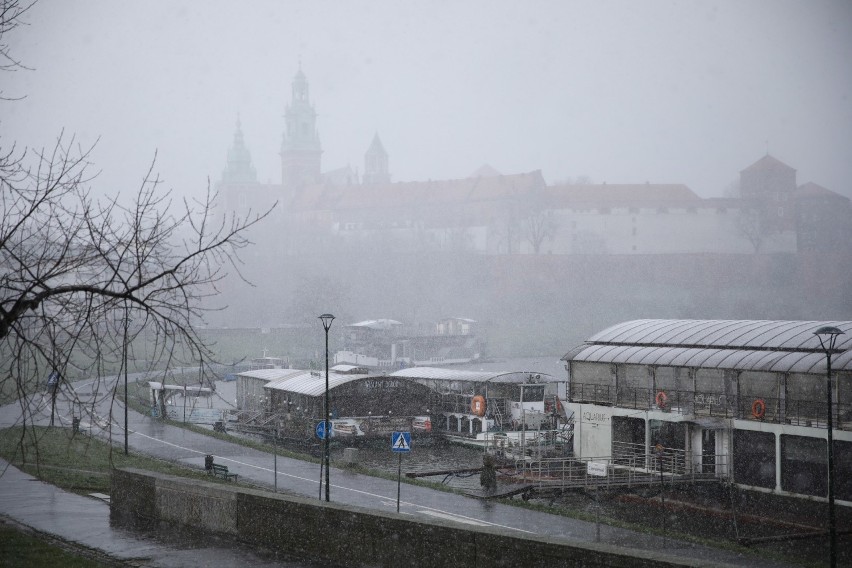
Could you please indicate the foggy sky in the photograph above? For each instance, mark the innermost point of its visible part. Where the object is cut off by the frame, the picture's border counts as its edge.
(621, 91)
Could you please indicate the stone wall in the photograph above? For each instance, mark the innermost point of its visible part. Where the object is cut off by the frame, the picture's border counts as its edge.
(346, 535)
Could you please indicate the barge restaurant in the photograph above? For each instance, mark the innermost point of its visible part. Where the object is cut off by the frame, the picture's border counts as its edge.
(420, 399)
(744, 400)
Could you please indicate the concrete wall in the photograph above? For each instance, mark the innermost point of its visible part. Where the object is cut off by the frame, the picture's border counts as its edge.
(347, 535)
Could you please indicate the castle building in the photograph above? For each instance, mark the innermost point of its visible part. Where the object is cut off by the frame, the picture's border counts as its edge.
(492, 213)
(301, 150)
(376, 163)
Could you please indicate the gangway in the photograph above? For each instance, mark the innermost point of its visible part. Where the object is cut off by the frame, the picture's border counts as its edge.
(611, 473)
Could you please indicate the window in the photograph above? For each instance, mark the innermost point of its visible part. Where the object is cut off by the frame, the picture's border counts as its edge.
(804, 467)
(754, 458)
(669, 434)
(628, 436)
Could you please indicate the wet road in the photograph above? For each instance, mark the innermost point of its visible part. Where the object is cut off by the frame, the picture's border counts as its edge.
(152, 437)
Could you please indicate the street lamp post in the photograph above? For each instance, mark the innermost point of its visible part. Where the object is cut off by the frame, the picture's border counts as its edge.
(124, 364)
(326, 324)
(827, 336)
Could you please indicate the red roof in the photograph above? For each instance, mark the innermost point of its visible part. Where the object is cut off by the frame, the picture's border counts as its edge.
(811, 189)
(566, 196)
(768, 163)
(419, 193)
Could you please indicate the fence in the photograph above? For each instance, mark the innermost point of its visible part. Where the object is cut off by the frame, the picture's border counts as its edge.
(768, 409)
(625, 468)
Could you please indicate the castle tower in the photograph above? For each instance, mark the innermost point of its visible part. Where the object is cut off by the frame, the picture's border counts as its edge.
(376, 163)
(300, 148)
(239, 169)
(768, 185)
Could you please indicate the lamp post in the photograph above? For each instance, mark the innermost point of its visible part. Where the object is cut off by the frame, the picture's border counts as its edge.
(326, 324)
(124, 364)
(827, 336)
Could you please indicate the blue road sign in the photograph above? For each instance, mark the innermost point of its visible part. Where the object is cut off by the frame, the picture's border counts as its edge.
(321, 430)
(401, 441)
(53, 379)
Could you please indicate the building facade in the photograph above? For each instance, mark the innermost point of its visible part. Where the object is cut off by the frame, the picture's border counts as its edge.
(491, 213)
(744, 400)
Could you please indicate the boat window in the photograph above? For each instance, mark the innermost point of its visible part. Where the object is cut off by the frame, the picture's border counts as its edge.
(669, 434)
(533, 393)
(804, 466)
(754, 458)
(755, 385)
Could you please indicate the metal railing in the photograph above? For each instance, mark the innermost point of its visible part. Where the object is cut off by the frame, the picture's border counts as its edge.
(769, 409)
(625, 469)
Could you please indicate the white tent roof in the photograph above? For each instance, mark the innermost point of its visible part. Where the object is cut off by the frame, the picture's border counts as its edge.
(311, 383)
(435, 373)
(746, 345)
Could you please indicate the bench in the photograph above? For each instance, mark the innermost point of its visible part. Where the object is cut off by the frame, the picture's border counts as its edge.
(222, 471)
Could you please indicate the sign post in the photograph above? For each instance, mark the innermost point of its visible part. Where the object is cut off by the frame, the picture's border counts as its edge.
(401, 444)
(53, 383)
(321, 434)
(598, 469)
(658, 449)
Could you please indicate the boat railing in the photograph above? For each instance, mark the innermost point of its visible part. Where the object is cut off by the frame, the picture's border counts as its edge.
(753, 406)
(673, 466)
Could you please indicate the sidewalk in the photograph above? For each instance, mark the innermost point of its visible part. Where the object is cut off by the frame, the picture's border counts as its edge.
(85, 522)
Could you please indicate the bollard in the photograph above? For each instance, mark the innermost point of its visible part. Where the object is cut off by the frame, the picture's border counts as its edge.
(488, 476)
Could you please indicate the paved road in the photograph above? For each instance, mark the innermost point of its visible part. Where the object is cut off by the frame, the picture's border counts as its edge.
(176, 444)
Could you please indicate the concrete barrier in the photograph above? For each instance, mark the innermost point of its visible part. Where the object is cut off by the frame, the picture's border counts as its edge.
(347, 535)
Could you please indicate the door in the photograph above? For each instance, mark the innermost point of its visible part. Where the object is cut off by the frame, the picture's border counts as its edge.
(708, 451)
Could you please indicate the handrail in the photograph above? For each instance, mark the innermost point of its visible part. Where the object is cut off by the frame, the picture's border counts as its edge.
(775, 410)
(674, 466)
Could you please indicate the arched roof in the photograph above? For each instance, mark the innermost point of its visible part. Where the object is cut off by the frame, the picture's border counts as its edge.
(435, 373)
(311, 383)
(747, 345)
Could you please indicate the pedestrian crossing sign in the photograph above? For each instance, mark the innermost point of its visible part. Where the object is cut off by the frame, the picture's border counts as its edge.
(401, 441)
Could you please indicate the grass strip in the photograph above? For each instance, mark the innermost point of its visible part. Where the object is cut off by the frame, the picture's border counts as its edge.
(23, 548)
(75, 462)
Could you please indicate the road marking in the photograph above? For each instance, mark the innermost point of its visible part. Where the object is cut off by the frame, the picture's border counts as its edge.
(452, 517)
(435, 511)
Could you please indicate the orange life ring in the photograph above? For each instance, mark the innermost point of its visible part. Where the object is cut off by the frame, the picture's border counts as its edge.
(758, 408)
(662, 399)
(477, 405)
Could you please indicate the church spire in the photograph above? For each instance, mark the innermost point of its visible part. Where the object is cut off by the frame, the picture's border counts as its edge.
(376, 163)
(301, 149)
(239, 168)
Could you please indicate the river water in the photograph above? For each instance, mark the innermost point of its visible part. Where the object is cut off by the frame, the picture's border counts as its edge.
(425, 456)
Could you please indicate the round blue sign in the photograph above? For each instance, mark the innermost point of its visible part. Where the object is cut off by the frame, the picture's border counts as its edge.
(321, 430)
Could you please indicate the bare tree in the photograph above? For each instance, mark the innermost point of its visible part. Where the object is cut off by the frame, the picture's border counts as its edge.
(751, 223)
(80, 277)
(538, 226)
(537, 218)
(11, 13)
(752, 220)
